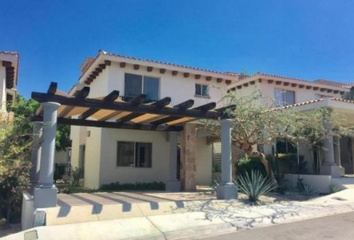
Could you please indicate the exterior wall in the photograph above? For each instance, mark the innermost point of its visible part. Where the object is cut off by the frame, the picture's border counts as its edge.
(204, 162)
(319, 183)
(93, 156)
(109, 172)
(78, 137)
(177, 87)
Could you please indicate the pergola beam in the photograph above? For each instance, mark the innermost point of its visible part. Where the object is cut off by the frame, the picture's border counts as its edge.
(102, 124)
(123, 106)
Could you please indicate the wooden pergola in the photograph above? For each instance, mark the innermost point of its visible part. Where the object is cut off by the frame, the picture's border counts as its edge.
(114, 111)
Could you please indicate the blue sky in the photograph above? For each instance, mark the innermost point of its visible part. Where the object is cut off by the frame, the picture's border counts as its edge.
(307, 39)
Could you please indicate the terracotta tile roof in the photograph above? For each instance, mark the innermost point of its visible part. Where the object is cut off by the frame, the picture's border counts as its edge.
(170, 64)
(315, 101)
(9, 53)
(319, 81)
(330, 83)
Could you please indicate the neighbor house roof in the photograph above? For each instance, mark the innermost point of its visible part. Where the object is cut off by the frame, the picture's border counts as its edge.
(311, 102)
(320, 85)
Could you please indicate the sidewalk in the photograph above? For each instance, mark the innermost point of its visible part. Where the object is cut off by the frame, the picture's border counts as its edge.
(210, 218)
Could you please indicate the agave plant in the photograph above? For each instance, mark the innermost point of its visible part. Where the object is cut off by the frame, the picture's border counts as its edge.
(255, 185)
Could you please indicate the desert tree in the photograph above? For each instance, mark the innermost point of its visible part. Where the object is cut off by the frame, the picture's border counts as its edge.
(258, 120)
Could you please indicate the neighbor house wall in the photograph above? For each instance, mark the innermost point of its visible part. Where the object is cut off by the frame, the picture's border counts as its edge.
(301, 95)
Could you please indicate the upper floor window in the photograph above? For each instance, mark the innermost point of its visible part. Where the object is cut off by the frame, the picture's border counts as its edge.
(202, 90)
(284, 97)
(137, 84)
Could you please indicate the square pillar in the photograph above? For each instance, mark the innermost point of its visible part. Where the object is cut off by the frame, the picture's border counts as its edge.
(227, 189)
(173, 184)
(45, 194)
(188, 157)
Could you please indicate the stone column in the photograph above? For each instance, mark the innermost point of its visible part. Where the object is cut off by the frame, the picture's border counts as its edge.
(329, 167)
(227, 189)
(173, 185)
(188, 157)
(45, 194)
(36, 155)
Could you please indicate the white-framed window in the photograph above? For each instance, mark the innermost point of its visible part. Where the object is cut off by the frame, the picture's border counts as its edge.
(134, 154)
(284, 97)
(201, 90)
(137, 84)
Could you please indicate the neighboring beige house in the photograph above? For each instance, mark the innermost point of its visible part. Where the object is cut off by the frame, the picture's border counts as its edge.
(117, 155)
(8, 81)
(338, 157)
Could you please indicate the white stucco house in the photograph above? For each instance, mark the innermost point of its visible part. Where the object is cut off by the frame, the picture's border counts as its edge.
(135, 120)
(125, 156)
(8, 81)
(128, 156)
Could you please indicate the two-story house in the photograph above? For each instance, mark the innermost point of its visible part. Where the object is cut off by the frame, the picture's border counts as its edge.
(121, 155)
(8, 81)
(118, 155)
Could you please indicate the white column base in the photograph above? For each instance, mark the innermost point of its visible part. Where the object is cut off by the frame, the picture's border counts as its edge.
(45, 197)
(227, 191)
(173, 186)
(334, 170)
(342, 171)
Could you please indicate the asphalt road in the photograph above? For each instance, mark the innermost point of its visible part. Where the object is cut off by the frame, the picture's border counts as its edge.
(338, 227)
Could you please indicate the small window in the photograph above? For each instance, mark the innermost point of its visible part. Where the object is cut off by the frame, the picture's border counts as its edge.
(320, 96)
(201, 90)
(134, 154)
(284, 97)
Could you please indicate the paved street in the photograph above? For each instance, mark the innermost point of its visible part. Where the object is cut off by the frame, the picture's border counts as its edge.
(338, 227)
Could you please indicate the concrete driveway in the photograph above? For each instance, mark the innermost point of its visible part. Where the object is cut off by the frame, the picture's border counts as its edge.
(337, 227)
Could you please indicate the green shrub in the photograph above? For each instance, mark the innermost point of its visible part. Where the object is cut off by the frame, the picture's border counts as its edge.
(247, 165)
(133, 186)
(255, 184)
(75, 176)
(14, 180)
(287, 163)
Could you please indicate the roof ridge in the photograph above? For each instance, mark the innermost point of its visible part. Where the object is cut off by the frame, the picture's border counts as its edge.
(170, 64)
(327, 83)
